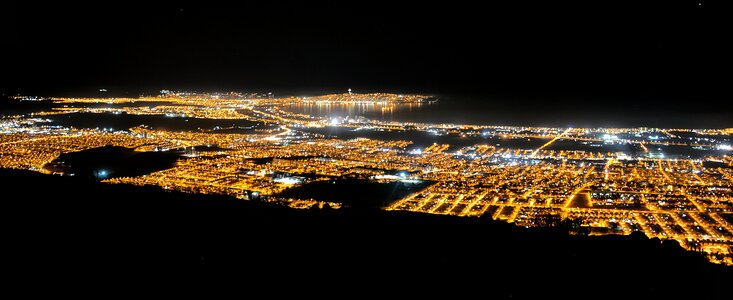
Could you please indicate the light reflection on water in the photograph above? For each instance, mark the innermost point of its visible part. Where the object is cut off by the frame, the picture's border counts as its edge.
(377, 111)
(513, 112)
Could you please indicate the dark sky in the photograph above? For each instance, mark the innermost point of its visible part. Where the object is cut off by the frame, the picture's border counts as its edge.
(627, 51)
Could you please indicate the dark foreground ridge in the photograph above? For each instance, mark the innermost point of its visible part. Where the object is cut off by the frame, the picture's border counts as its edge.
(71, 235)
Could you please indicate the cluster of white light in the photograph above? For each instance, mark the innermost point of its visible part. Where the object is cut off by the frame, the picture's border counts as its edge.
(288, 180)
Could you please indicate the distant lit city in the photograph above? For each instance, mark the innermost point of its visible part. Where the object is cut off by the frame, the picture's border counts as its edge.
(668, 183)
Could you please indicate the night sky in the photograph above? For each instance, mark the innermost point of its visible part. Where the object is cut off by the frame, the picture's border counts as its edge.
(615, 52)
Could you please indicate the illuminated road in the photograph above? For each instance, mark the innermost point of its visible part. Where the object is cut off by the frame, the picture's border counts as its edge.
(278, 136)
(643, 147)
(551, 141)
(576, 193)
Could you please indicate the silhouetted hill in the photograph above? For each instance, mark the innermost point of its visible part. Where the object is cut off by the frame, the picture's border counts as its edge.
(112, 161)
(83, 237)
(354, 192)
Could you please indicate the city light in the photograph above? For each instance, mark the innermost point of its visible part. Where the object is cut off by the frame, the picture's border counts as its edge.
(666, 183)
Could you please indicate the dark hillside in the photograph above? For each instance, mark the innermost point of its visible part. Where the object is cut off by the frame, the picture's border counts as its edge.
(70, 235)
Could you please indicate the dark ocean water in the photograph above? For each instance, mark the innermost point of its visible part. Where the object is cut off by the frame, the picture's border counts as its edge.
(505, 110)
(519, 112)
